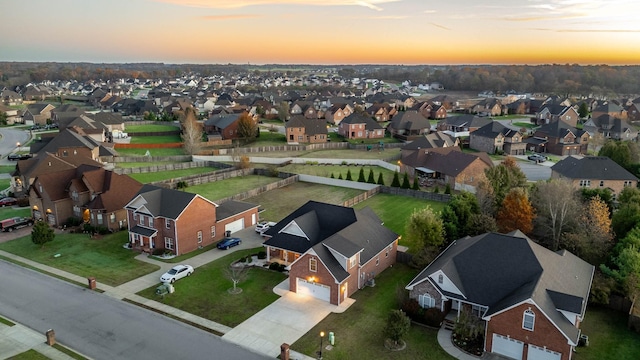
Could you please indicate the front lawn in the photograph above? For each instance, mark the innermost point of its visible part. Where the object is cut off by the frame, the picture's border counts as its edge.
(359, 330)
(169, 174)
(205, 292)
(279, 203)
(11, 211)
(609, 338)
(29, 355)
(156, 139)
(6, 169)
(395, 211)
(105, 259)
(224, 188)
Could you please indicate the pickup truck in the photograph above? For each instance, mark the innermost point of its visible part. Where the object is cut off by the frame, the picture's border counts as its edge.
(14, 223)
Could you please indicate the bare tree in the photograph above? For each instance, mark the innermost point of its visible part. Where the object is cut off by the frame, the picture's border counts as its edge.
(191, 133)
(283, 111)
(556, 206)
(236, 273)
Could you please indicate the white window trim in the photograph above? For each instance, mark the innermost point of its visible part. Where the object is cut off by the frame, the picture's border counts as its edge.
(528, 313)
(200, 237)
(313, 264)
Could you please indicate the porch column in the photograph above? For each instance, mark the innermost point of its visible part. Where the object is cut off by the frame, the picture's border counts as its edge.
(268, 254)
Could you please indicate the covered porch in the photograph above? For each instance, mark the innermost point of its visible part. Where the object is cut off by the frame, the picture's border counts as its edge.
(142, 239)
(281, 256)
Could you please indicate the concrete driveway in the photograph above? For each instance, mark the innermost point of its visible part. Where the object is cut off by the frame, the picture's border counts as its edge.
(284, 321)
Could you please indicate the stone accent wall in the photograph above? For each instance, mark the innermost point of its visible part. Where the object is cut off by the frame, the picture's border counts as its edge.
(426, 287)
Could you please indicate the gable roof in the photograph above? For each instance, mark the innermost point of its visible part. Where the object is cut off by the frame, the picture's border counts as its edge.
(493, 129)
(358, 118)
(503, 270)
(311, 126)
(111, 190)
(162, 202)
(467, 120)
(559, 129)
(409, 120)
(449, 160)
(591, 167)
(436, 139)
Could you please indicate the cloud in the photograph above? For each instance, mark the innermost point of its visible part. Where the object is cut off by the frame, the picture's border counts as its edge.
(228, 17)
(439, 26)
(233, 4)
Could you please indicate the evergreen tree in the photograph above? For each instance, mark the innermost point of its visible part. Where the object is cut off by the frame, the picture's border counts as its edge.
(349, 175)
(340, 176)
(416, 184)
(396, 180)
(447, 189)
(42, 233)
(406, 184)
(371, 179)
(333, 177)
(361, 175)
(380, 179)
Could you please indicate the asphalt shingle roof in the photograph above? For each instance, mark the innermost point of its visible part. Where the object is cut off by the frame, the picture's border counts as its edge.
(591, 167)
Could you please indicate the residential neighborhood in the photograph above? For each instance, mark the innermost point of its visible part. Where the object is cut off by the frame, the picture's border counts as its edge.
(298, 214)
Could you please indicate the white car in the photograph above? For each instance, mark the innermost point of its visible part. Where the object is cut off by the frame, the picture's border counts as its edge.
(176, 273)
(264, 226)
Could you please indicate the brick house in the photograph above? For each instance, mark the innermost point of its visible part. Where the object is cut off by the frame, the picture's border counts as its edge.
(331, 251)
(224, 125)
(337, 112)
(302, 130)
(463, 124)
(434, 140)
(407, 125)
(358, 126)
(611, 128)
(180, 222)
(37, 114)
(531, 300)
(559, 138)
(612, 109)
(447, 165)
(495, 137)
(555, 112)
(594, 172)
(379, 112)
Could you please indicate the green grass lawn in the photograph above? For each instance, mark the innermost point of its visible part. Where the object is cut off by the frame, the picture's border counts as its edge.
(352, 154)
(205, 292)
(268, 138)
(8, 212)
(359, 330)
(609, 338)
(29, 355)
(124, 165)
(153, 152)
(228, 187)
(150, 128)
(6, 322)
(281, 202)
(396, 210)
(105, 259)
(525, 125)
(7, 169)
(169, 174)
(336, 170)
(156, 139)
(4, 184)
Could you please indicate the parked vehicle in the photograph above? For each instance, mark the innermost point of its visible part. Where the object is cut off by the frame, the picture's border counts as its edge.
(8, 201)
(18, 157)
(537, 157)
(264, 226)
(176, 273)
(228, 242)
(14, 223)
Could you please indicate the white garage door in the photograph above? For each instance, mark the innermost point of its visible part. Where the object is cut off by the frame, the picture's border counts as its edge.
(538, 353)
(316, 290)
(235, 226)
(508, 347)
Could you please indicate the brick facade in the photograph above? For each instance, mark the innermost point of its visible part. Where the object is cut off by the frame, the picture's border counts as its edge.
(509, 323)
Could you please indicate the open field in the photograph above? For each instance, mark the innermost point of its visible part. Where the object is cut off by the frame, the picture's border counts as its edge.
(205, 292)
(228, 187)
(169, 174)
(359, 330)
(105, 258)
(281, 202)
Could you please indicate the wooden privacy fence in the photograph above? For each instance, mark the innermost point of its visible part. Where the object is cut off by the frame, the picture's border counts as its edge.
(416, 194)
(176, 158)
(147, 146)
(362, 197)
(169, 167)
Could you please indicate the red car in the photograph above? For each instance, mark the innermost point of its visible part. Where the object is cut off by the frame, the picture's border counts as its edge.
(8, 201)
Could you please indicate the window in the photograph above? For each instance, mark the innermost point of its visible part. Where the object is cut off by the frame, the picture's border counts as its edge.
(386, 253)
(377, 261)
(167, 223)
(141, 220)
(601, 183)
(426, 301)
(74, 195)
(199, 236)
(627, 183)
(528, 320)
(313, 264)
(585, 183)
(65, 153)
(213, 231)
(99, 216)
(440, 279)
(112, 218)
(352, 262)
(135, 216)
(76, 210)
(168, 243)
(476, 310)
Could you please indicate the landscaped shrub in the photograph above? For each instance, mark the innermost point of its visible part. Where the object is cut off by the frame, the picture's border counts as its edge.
(274, 266)
(88, 228)
(447, 189)
(361, 175)
(73, 221)
(412, 308)
(433, 317)
(157, 252)
(262, 255)
(349, 175)
(23, 202)
(102, 230)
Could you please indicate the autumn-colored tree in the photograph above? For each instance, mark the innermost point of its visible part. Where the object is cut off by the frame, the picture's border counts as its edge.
(556, 209)
(595, 237)
(516, 212)
(247, 128)
(486, 199)
(505, 177)
(191, 132)
(245, 162)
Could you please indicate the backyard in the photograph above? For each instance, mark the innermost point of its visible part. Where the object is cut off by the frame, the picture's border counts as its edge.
(359, 330)
(150, 128)
(169, 174)
(609, 338)
(228, 187)
(105, 259)
(205, 292)
(337, 170)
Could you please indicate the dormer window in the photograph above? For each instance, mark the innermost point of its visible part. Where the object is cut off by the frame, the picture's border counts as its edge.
(528, 319)
(313, 264)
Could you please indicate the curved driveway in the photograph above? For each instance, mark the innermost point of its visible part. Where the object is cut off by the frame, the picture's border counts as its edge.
(102, 327)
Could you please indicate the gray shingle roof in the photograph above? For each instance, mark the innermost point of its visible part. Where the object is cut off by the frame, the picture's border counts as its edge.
(492, 129)
(591, 168)
(230, 208)
(163, 202)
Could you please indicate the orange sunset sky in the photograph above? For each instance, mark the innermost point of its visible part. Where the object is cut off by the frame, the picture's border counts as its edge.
(322, 31)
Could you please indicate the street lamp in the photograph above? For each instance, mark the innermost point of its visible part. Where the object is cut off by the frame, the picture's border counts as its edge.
(320, 352)
(18, 144)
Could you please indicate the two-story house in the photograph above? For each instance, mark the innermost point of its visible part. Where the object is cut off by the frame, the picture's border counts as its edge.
(495, 137)
(300, 130)
(407, 125)
(337, 112)
(594, 172)
(559, 138)
(555, 112)
(359, 126)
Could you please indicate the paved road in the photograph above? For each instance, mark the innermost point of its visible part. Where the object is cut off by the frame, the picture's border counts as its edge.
(9, 138)
(101, 327)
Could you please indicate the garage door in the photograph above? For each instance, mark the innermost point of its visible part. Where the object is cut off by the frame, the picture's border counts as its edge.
(316, 290)
(508, 347)
(235, 226)
(538, 353)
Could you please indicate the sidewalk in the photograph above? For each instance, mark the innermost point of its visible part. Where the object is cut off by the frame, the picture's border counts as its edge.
(17, 339)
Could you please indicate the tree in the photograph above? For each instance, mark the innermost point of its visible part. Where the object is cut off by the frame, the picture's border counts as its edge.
(236, 273)
(396, 180)
(583, 110)
(557, 210)
(361, 177)
(406, 184)
(627, 216)
(516, 212)
(247, 128)
(41, 233)
(480, 224)
(398, 324)
(283, 111)
(456, 215)
(191, 132)
(380, 179)
(416, 183)
(604, 194)
(424, 229)
(594, 238)
(504, 177)
(348, 175)
(3, 118)
(245, 162)
(371, 179)
(486, 199)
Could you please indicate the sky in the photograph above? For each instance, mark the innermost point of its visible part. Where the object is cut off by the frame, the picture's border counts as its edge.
(402, 32)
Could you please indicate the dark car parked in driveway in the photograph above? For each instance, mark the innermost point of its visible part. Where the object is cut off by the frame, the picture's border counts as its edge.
(228, 242)
(18, 156)
(8, 201)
